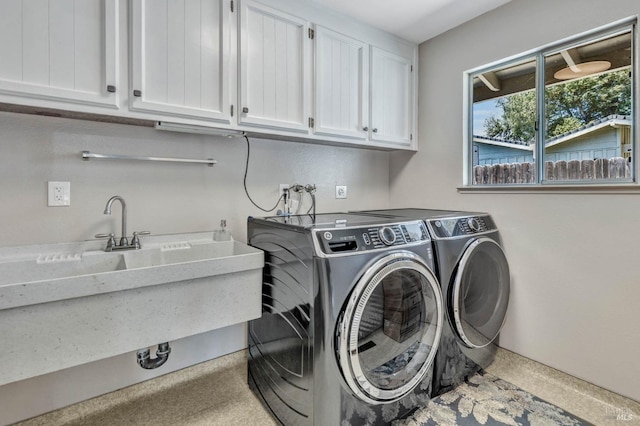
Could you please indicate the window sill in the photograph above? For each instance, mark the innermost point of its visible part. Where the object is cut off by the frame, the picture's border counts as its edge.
(627, 188)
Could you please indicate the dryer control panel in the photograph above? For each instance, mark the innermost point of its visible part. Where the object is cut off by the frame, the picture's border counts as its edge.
(358, 239)
(461, 226)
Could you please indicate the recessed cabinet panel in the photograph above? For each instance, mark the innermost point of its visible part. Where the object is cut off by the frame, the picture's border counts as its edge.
(391, 97)
(180, 58)
(341, 86)
(61, 50)
(273, 68)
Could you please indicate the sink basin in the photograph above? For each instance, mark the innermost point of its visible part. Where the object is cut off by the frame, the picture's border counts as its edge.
(182, 253)
(63, 305)
(41, 274)
(48, 267)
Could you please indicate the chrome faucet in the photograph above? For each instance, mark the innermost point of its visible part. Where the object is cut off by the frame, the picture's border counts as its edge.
(107, 210)
(124, 242)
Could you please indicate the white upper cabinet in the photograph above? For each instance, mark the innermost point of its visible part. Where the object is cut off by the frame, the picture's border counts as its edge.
(180, 58)
(274, 75)
(341, 85)
(392, 97)
(61, 51)
(249, 65)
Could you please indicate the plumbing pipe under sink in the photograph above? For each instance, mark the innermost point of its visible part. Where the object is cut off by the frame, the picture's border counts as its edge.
(162, 355)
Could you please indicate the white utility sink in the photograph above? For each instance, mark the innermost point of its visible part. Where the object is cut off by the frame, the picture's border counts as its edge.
(52, 267)
(63, 305)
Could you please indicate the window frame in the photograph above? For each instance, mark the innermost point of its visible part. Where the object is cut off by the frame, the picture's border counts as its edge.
(539, 55)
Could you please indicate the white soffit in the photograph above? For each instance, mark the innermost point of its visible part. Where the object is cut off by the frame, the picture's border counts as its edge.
(413, 20)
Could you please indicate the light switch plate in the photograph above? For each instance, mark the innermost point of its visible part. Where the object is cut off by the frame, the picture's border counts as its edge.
(59, 194)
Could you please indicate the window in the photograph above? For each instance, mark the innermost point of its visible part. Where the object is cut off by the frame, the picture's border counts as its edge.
(561, 115)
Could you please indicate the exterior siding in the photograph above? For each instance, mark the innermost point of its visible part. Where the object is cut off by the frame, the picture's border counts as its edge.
(601, 143)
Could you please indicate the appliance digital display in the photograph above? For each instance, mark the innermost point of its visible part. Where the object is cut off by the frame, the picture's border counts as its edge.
(449, 226)
(414, 232)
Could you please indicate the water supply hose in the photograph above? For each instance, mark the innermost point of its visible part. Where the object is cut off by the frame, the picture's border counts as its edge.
(311, 189)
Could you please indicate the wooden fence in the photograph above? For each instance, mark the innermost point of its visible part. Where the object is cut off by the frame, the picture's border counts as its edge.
(600, 168)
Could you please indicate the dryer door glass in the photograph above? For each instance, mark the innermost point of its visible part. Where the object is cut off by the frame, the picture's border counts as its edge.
(480, 293)
(390, 329)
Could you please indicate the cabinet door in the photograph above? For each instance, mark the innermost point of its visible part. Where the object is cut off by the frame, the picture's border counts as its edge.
(273, 68)
(180, 58)
(341, 85)
(62, 50)
(391, 97)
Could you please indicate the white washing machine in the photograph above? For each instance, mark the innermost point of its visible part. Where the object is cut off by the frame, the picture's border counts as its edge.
(352, 318)
(474, 274)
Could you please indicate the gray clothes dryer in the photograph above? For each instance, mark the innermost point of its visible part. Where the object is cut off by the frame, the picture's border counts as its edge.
(352, 317)
(474, 274)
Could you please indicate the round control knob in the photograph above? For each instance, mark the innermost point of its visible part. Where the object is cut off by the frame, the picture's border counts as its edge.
(387, 235)
(474, 224)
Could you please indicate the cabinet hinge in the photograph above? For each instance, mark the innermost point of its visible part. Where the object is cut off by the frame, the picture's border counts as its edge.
(411, 137)
(311, 122)
(232, 110)
(231, 6)
(312, 33)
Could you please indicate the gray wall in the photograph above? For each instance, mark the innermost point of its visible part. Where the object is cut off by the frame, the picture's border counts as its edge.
(161, 198)
(573, 256)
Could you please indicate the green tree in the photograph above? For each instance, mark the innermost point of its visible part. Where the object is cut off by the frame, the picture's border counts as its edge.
(581, 102)
(568, 106)
(517, 122)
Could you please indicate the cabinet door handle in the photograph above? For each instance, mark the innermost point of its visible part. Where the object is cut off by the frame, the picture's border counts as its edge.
(111, 89)
(137, 93)
(245, 110)
(375, 130)
(365, 128)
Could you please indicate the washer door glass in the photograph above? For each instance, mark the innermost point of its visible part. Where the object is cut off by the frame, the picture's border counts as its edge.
(390, 328)
(480, 293)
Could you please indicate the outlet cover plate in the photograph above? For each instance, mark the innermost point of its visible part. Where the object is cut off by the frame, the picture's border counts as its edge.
(59, 194)
(341, 191)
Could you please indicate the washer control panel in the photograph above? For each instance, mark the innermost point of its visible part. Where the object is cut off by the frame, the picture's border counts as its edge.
(344, 240)
(387, 235)
(461, 226)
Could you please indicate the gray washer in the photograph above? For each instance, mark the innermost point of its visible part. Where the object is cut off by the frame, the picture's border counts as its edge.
(474, 274)
(352, 318)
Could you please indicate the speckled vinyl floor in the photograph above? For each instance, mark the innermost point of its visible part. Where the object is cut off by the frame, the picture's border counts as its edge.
(211, 393)
(589, 402)
(216, 393)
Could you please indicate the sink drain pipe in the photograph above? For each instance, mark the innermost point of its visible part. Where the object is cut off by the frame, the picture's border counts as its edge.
(162, 355)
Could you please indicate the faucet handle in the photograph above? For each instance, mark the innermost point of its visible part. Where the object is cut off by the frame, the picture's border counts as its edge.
(135, 241)
(112, 240)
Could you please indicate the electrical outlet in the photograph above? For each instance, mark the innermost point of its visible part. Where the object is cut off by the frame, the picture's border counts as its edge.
(59, 194)
(341, 191)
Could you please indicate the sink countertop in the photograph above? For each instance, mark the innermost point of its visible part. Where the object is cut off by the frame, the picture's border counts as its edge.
(22, 284)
